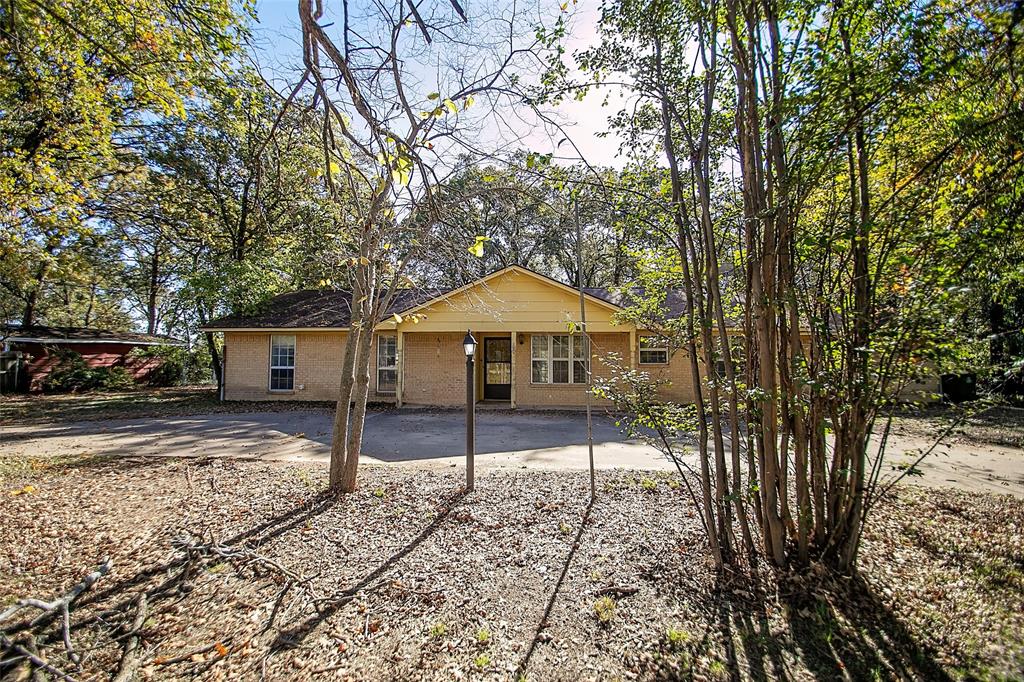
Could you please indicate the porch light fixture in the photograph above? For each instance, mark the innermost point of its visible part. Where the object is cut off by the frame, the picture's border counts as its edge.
(469, 345)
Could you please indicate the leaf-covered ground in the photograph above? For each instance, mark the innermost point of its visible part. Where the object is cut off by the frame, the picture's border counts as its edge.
(971, 423)
(251, 571)
(136, 403)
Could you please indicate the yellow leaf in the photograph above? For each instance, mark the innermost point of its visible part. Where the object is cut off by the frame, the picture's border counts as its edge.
(477, 248)
(468, 103)
(450, 105)
(27, 490)
(363, 260)
(398, 318)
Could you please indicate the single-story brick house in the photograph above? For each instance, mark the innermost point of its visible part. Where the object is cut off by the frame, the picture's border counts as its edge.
(292, 348)
(33, 352)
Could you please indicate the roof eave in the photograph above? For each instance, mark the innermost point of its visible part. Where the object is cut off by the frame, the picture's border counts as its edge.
(53, 339)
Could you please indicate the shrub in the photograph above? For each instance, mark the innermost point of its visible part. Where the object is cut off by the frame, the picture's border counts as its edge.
(72, 374)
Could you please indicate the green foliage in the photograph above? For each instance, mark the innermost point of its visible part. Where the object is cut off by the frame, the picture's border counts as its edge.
(523, 213)
(177, 365)
(677, 639)
(77, 81)
(438, 630)
(483, 636)
(73, 374)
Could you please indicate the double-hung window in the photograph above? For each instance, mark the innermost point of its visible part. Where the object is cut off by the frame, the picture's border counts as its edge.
(282, 362)
(653, 350)
(387, 364)
(559, 359)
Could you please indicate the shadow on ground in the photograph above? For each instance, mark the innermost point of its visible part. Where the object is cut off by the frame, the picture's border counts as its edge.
(389, 435)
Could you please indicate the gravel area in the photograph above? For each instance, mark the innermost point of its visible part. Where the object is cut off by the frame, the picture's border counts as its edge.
(252, 572)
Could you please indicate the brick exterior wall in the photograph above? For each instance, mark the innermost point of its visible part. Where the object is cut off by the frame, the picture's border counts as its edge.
(318, 358)
(432, 366)
(677, 372)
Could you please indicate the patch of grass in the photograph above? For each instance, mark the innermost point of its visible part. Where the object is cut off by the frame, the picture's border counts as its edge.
(305, 477)
(482, 661)
(604, 610)
(677, 638)
(998, 573)
(648, 484)
(564, 528)
(717, 671)
(16, 468)
(380, 493)
(483, 636)
(141, 402)
(438, 630)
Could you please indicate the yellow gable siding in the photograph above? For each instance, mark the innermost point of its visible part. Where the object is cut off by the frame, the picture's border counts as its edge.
(511, 301)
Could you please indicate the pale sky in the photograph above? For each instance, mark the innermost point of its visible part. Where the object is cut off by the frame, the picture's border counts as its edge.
(278, 43)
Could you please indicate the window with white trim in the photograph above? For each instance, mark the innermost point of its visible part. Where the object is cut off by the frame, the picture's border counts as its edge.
(653, 350)
(559, 359)
(387, 364)
(282, 362)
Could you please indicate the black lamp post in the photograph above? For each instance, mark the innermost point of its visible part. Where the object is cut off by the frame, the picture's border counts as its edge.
(469, 345)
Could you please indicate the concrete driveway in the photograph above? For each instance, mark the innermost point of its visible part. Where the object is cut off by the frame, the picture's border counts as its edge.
(436, 438)
(419, 437)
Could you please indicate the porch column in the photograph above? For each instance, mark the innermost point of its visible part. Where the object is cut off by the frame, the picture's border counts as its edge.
(512, 389)
(632, 348)
(400, 361)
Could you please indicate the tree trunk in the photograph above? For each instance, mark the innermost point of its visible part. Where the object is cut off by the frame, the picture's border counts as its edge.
(154, 280)
(215, 363)
(361, 386)
(712, 507)
(28, 316)
(343, 410)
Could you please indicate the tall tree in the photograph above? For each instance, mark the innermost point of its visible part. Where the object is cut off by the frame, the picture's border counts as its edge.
(864, 146)
(76, 86)
(391, 135)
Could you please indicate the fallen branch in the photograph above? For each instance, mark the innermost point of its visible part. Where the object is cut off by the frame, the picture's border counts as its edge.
(35, 659)
(617, 591)
(187, 658)
(61, 605)
(132, 656)
(48, 607)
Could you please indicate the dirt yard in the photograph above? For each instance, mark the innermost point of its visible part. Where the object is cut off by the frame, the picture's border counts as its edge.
(250, 572)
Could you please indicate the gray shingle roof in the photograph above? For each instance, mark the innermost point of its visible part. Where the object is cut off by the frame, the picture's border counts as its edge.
(314, 308)
(38, 333)
(321, 308)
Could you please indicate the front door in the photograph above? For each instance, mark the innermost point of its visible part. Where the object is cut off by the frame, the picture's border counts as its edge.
(497, 368)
